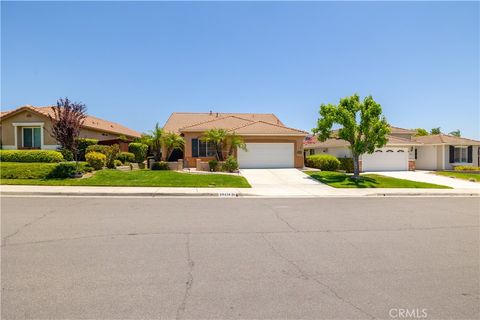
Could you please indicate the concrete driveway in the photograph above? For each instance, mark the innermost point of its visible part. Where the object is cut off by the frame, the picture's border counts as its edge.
(430, 177)
(290, 182)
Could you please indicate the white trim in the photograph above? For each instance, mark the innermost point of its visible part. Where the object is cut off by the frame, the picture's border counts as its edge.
(28, 124)
(443, 156)
(9, 147)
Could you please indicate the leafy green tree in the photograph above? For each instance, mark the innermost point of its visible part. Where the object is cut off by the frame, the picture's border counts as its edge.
(421, 132)
(435, 131)
(363, 125)
(217, 137)
(455, 133)
(235, 142)
(172, 141)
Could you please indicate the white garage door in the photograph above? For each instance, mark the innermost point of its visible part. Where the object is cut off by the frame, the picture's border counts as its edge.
(266, 155)
(386, 159)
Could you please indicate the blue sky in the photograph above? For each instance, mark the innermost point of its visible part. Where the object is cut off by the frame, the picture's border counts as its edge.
(135, 63)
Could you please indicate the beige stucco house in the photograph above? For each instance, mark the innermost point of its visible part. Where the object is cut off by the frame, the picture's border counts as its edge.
(405, 151)
(270, 144)
(29, 127)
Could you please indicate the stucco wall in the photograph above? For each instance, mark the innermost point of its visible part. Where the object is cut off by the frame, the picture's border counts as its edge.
(426, 158)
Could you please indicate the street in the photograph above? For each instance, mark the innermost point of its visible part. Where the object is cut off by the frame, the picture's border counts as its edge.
(240, 258)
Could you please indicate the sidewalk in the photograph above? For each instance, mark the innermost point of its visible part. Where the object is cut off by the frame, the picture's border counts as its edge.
(283, 191)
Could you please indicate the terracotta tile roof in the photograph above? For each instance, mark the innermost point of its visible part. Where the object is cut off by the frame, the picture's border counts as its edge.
(266, 128)
(178, 120)
(401, 130)
(218, 123)
(445, 139)
(333, 143)
(91, 122)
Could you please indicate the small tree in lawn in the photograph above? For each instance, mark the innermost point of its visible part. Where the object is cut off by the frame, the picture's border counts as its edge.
(67, 120)
(172, 141)
(363, 125)
(156, 141)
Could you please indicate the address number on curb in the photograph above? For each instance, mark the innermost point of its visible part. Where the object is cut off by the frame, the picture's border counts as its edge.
(227, 194)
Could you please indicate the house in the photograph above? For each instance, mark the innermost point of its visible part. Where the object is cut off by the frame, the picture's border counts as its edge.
(404, 151)
(29, 127)
(270, 144)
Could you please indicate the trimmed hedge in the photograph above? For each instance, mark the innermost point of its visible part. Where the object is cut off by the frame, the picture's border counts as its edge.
(126, 157)
(96, 160)
(160, 165)
(139, 150)
(38, 170)
(466, 168)
(30, 156)
(83, 144)
(346, 164)
(325, 162)
(230, 164)
(97, 148)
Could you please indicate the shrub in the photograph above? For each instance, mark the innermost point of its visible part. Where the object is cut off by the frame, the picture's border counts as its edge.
(139, 150)
(67, 154)
(67, 169)
(324, 162)
(111, 155)
(117, 163)
(230, 164)
(212, 164)
(160, 165)
(466, 168)
(30, 156)
(96, 160)
(16, 170)
(126, 157)
(83, 144)
(346, 164)
(97, 148)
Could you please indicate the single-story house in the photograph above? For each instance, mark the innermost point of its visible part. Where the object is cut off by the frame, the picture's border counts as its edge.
(29, 127)
(269, 143)
(405, 151)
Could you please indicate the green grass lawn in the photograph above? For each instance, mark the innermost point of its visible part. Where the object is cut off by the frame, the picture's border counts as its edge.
(342, 180)
(141, 178)
(459, 175)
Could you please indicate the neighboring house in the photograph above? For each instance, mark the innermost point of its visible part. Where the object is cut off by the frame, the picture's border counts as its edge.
(404, 151)
(29, 127)
(270, 144)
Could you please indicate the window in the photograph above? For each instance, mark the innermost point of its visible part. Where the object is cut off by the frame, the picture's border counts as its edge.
(416, 153)
(32, 137)
(312, 152)
(202, 149)
(460, 155)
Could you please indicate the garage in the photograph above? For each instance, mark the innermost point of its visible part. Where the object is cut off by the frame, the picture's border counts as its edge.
(266, 155)
(386, 159)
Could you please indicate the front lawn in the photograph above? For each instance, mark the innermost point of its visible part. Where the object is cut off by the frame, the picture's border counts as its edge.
(342, 180)
(141, 178)
(460, 175)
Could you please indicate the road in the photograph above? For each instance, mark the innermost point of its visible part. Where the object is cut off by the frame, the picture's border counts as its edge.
(240, 258)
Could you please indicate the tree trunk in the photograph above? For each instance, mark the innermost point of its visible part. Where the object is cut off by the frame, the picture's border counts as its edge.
(356, 166)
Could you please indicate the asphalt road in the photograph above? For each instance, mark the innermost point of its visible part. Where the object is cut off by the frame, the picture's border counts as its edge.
(362, 258)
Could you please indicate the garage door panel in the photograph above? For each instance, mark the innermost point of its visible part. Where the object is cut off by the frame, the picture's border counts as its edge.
(386, 159)
(267, 155)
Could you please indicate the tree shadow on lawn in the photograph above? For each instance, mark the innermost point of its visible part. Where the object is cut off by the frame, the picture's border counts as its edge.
(347, 180)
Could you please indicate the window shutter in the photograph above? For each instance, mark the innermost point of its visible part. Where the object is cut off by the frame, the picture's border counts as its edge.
(194, 148)
(469, 154)
(452, 154)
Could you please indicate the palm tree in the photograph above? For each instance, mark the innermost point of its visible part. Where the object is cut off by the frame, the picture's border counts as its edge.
(172, 141)
(235, 142)
(216, 137)
(154, 140)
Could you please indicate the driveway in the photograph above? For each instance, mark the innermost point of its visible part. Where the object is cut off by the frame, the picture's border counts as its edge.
(290, 182)
(430, 177)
